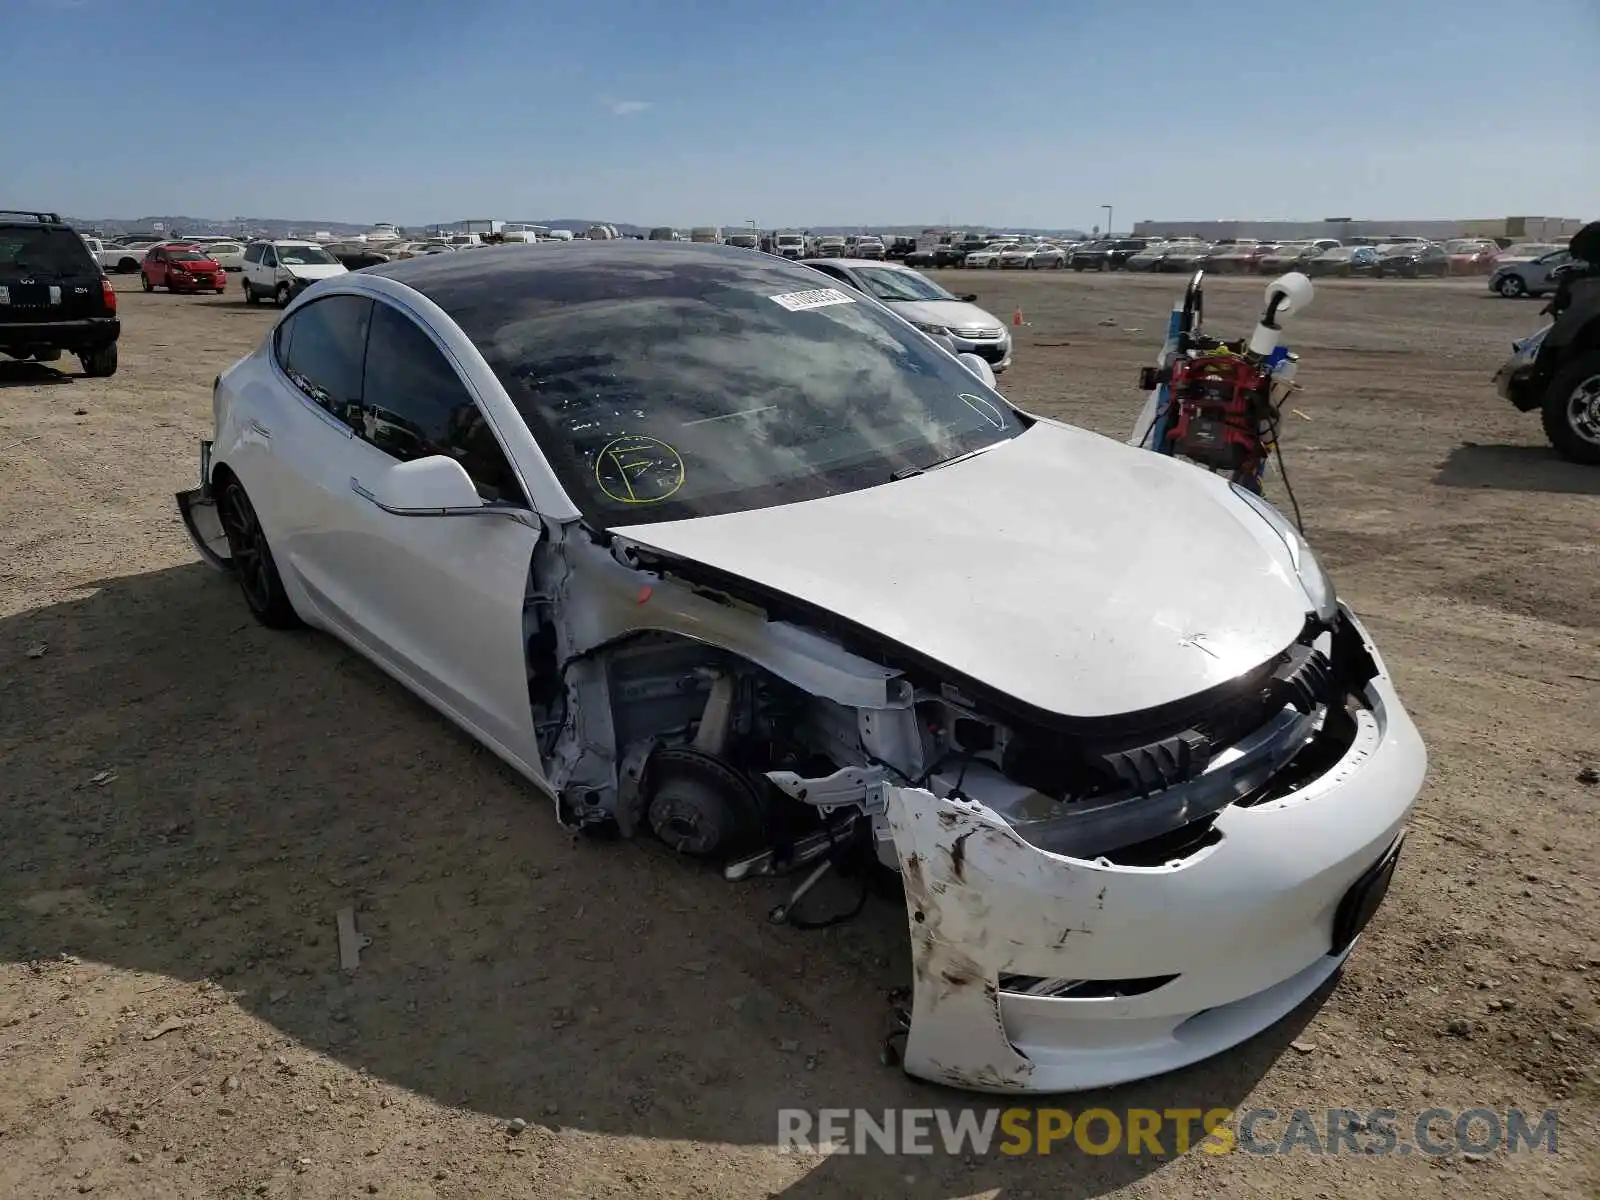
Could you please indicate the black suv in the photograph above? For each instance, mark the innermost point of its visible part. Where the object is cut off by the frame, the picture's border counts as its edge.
(1107, 254)
(53, 295)
(1557, 370)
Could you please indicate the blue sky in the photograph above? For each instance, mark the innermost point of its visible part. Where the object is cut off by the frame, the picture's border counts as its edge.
(917, 111)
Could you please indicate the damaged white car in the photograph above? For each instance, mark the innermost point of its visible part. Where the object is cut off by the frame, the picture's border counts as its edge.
(702, 546)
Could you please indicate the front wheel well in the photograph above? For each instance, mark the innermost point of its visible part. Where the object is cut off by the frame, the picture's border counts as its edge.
(221, 476)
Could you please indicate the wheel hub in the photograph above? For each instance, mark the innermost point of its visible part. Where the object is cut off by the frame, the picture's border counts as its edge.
(1583, 410)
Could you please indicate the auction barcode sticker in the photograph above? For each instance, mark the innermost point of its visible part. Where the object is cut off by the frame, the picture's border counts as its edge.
(815, 298)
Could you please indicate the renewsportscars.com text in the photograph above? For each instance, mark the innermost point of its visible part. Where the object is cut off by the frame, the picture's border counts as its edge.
(1434, 1132)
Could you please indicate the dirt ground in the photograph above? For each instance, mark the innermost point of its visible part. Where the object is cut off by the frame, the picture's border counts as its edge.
(186, 800)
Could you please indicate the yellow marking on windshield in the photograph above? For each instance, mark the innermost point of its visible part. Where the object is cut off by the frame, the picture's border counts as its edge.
(653, 465)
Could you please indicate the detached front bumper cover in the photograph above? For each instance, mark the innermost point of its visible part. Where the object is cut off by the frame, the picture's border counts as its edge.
(198, 508)
(1036, 972)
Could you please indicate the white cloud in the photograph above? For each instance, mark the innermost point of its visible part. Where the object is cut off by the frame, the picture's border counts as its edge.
(627, 108)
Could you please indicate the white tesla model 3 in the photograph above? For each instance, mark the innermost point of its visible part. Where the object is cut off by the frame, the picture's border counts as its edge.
(703, 546)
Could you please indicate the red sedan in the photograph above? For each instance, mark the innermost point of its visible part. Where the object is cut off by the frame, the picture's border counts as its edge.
(180, 268)
(1472, 256)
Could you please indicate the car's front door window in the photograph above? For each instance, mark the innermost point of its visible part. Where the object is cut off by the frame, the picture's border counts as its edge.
(414, 405)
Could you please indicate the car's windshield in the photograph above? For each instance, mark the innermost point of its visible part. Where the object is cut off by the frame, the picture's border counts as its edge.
(43, 249)
(662, 388)
(888, 284)
(304, 256)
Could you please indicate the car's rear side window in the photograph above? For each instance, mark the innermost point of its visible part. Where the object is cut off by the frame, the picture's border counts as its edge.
(322, 348)
(44, 250)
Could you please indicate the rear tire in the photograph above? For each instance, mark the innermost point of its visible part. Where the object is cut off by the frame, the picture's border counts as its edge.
(127, 266)
(145, 280)
(253, 565)
(101, 362)
(1571, 411)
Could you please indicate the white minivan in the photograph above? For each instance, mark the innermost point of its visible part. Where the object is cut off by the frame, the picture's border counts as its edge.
(281, 270)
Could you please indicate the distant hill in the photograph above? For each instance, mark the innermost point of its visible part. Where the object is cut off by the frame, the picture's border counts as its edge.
(285, 227)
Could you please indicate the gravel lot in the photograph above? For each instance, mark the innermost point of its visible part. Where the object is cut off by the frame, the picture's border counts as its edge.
(187, 799)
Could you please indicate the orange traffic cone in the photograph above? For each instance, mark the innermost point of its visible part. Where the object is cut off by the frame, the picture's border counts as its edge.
(1016, 317)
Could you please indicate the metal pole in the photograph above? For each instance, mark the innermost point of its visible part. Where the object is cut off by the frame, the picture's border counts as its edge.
(1109, 211)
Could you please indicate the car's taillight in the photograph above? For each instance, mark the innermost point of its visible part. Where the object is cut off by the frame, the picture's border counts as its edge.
(108, 294)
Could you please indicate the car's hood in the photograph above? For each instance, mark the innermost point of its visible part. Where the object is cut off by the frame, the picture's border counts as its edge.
(1074, 574)
(316, 270)
(954, 314)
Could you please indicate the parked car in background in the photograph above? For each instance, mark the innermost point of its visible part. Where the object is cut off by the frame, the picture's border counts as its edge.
(926, 256)
(1046, 256)
(928, 306)
(829, 246)
(124, 256)
(1240, 259)
(869, 247)
(1471, 256)
(1148, 259)
(1528, 251)
(745, 241)
(281, 270)
(1106, 254)
(229, 254)
(1344, 261)
(1185, 256)
(1091, 256)
(1015, 257)
(182, 268)
(663, 233)
(899, 247)
(57, 298)
(789, 245)
(1293, 256)
(1515, 277)
(1412, 260)
(706, 234)
(988, 257)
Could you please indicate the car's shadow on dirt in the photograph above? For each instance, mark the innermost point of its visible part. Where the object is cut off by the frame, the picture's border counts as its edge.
(30, 374)
(1517, 469)
(192, 796)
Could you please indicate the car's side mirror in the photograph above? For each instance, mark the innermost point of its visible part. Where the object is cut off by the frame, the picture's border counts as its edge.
(970, 298)
(978, 367)
(424, 487)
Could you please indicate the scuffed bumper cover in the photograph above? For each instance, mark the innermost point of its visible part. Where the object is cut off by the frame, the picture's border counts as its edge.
(1245, 925)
